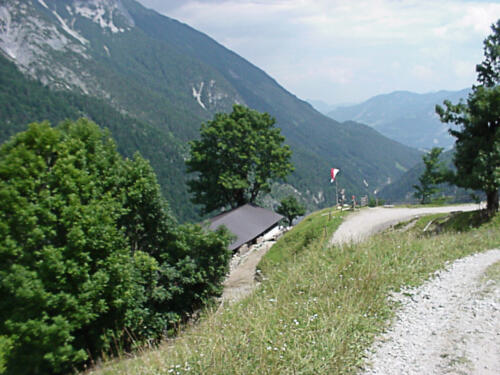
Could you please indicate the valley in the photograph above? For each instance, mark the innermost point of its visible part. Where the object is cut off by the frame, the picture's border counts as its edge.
(151, 176)
(406, 117)
(167, 78)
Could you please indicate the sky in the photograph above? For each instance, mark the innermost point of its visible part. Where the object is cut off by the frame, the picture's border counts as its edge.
(346, 51)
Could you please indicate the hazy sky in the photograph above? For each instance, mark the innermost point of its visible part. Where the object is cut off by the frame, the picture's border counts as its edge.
(343, 51)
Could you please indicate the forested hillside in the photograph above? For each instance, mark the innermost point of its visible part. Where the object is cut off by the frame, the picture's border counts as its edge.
(132, 70)
(23, 100)
(402, 189)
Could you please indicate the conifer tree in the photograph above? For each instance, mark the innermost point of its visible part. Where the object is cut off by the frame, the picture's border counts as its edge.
(433, 175)
(477, 154)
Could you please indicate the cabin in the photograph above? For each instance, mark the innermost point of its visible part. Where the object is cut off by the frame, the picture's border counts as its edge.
(247, 223)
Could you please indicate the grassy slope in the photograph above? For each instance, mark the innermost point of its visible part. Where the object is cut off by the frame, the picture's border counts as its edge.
(318, 308)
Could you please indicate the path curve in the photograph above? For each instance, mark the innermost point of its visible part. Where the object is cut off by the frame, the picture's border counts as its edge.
(449, 325)
(356, 227)
(360, 225)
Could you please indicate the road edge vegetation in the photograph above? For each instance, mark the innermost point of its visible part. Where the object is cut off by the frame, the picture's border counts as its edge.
(318, 307)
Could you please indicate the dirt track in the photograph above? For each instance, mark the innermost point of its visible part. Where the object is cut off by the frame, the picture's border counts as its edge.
(241, 281)
(360, 225)
(450, 325)
(356, 227)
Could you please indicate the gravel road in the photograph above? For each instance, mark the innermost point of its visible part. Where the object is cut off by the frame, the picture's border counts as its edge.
(449, 325)
(241, 279)
(360, 225)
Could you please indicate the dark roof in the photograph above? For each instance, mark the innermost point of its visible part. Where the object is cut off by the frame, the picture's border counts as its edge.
(246, 222)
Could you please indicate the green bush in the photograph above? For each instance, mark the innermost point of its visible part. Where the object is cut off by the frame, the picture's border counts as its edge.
(91, 256)
(5, 345)
(374, 202)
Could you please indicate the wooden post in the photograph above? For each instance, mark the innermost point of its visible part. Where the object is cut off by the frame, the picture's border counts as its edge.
(336, 194)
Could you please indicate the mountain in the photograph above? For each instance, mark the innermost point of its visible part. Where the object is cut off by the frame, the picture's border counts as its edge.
(401, 190)
(404, 116)
(153, 80)
(324, 107)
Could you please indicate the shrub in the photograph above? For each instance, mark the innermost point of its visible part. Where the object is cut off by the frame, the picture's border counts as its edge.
(91, 256)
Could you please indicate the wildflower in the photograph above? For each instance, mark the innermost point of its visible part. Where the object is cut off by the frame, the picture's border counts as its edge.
(313, 317)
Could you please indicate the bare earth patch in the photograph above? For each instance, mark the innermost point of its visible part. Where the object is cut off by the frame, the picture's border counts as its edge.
(241, 280)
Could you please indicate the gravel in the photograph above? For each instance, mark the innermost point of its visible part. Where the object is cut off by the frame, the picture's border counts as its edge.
(449, 325)
(362, 224)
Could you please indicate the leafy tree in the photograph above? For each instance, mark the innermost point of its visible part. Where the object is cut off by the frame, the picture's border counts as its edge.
(477, 156)
(433, 175)
(65, 276)
(489, 70)
(91, 256)
(236, 158)
(290, 208)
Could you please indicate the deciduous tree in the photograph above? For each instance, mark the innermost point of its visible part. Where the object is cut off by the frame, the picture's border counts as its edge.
(290, 208)
(91, 257)
(236, 158)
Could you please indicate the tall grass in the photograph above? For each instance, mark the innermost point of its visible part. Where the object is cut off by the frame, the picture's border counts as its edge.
(318, 307)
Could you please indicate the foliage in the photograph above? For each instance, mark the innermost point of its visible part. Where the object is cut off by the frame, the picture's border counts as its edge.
(489, 70)
(375, 201)
(23, 100)
(402, 190)
(290, 208)
(140, 85)
(318, 308)
(477, 156)
(433, 175)
(237, 157)
(91, 256)
(5, 347)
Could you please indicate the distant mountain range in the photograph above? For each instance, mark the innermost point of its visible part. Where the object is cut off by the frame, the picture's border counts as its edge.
(324, 107)
(153, 80)
(404, 116)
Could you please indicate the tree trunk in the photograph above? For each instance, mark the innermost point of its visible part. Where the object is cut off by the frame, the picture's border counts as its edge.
(492, 202)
